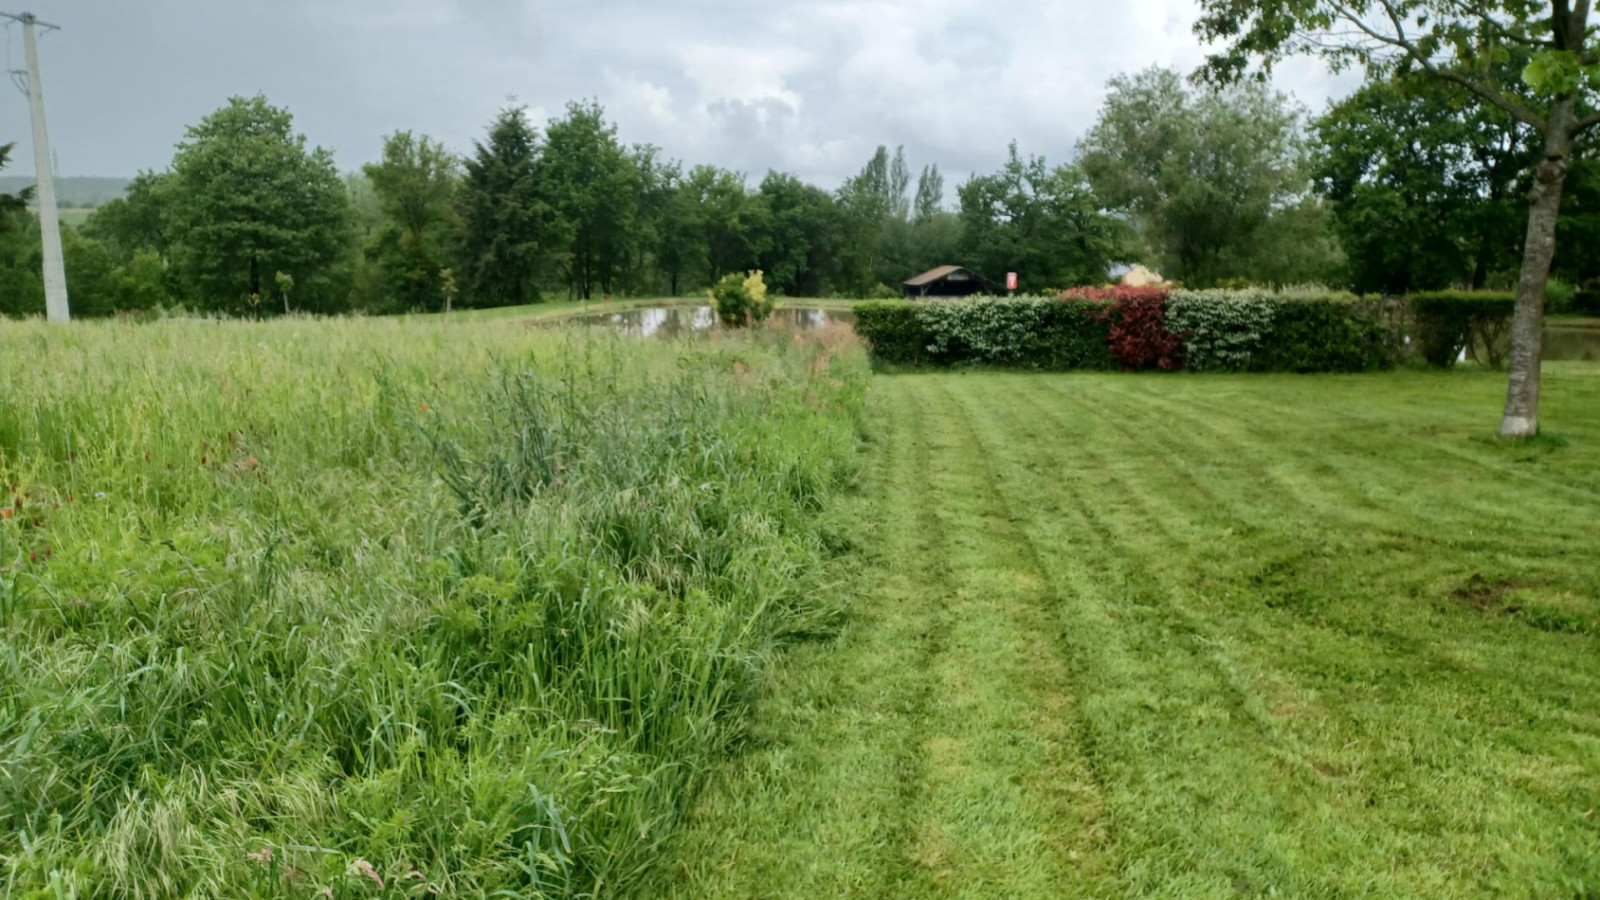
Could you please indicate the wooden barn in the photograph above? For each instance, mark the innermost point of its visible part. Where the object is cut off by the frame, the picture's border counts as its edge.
(947, 281)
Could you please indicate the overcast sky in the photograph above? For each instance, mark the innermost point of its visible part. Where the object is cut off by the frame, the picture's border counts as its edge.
(807, 86)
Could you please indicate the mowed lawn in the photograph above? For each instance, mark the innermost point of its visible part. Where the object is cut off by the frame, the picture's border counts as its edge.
(1192, 637)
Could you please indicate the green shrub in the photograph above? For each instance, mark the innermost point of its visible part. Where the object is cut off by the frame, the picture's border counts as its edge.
(741, 299)
(1559, 296)
(1219, 330)
(892, 330)
(1324, 334)
(1448, 323)
(1027, 332)
(1222, 330)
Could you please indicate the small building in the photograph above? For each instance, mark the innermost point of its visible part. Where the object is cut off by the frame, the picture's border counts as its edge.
(947, 281)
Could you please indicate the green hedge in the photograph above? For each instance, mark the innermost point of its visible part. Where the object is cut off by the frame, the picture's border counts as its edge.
(1221, 330)
(1030, 332)
(1446, 323)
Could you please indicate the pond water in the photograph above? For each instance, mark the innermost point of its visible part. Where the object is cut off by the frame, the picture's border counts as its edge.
(1562, 341)
(1572, 342)
(673, 321)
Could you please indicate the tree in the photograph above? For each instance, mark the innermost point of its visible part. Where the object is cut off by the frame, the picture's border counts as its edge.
(509, 233)
(1203, 173)
(729, 219)
(248, 200)
(137, 220)
(21, 286)
(680, 233)
(930, 193)
(415, 187)
(11, 204)
(591, 185)
(1421, 185)
(1467, 43)
(899, 184)
(798, 253)
(1044, 224)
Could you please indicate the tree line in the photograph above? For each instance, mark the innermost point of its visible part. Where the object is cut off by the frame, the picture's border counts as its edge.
(1399, 187)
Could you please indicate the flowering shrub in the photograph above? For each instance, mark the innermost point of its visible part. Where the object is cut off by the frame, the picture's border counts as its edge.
(1221, 330)
(741, 299)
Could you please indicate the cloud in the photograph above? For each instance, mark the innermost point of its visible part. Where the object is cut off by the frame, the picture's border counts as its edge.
(809, 86)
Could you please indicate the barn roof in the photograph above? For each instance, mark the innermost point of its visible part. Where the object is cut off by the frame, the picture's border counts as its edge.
(932, 275)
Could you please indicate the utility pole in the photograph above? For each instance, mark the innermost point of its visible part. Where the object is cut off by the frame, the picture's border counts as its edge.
(55, 273)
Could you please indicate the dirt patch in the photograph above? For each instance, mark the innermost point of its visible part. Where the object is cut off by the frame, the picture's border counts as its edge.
(1484, 594)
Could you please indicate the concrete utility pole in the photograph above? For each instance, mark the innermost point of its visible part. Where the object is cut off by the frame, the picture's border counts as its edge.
(55, 273)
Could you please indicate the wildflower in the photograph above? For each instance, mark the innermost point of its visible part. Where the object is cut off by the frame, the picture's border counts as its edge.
(251, 463)
(7, 513)
(100, 495)
(423, 407)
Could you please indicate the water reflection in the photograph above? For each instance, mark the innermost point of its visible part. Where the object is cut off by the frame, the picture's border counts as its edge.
(1572, 342)
(675, 321)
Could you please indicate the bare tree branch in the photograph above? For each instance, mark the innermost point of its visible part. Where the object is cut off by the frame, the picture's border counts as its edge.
(1585, 123)
(1479, 10)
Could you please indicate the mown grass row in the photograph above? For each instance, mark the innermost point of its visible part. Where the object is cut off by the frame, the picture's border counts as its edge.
(390, 608)
(1192, 636)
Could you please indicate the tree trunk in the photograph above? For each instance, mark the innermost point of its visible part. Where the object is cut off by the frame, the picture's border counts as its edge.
(1538, 249)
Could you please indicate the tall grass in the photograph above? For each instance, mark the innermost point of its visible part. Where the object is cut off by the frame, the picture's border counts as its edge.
(390, 608)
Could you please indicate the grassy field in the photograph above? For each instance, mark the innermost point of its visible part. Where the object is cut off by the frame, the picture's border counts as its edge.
(1192, 637)
(394, 609)
(383, 608)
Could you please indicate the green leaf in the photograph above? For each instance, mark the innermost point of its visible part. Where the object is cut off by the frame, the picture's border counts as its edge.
(1553, 72)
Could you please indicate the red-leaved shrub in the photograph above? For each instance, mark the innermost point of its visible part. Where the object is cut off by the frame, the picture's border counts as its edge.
(1137, 325)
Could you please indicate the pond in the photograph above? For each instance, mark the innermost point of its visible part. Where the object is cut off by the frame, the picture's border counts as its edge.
(674, 321)
(1563, 341)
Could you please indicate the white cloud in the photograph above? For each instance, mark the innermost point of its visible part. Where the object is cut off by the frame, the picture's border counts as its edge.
(809, 86)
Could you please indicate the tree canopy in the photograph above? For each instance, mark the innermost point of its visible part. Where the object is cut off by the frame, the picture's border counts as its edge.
(1204, 173)
(1538, 63)
(249, 200)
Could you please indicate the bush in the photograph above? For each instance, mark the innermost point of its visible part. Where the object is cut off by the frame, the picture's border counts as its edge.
(1448, 323)
(1324, 334)
(1028, 332)
(1222, 330)
(1559, 296)
(1136, 320)
(1098, 328)
(892, 330)
(741, 299)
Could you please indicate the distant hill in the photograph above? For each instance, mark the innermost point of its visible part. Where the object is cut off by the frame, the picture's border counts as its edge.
(76, 191)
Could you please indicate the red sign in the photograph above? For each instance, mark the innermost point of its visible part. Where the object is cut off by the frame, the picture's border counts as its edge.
(1011, 281)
